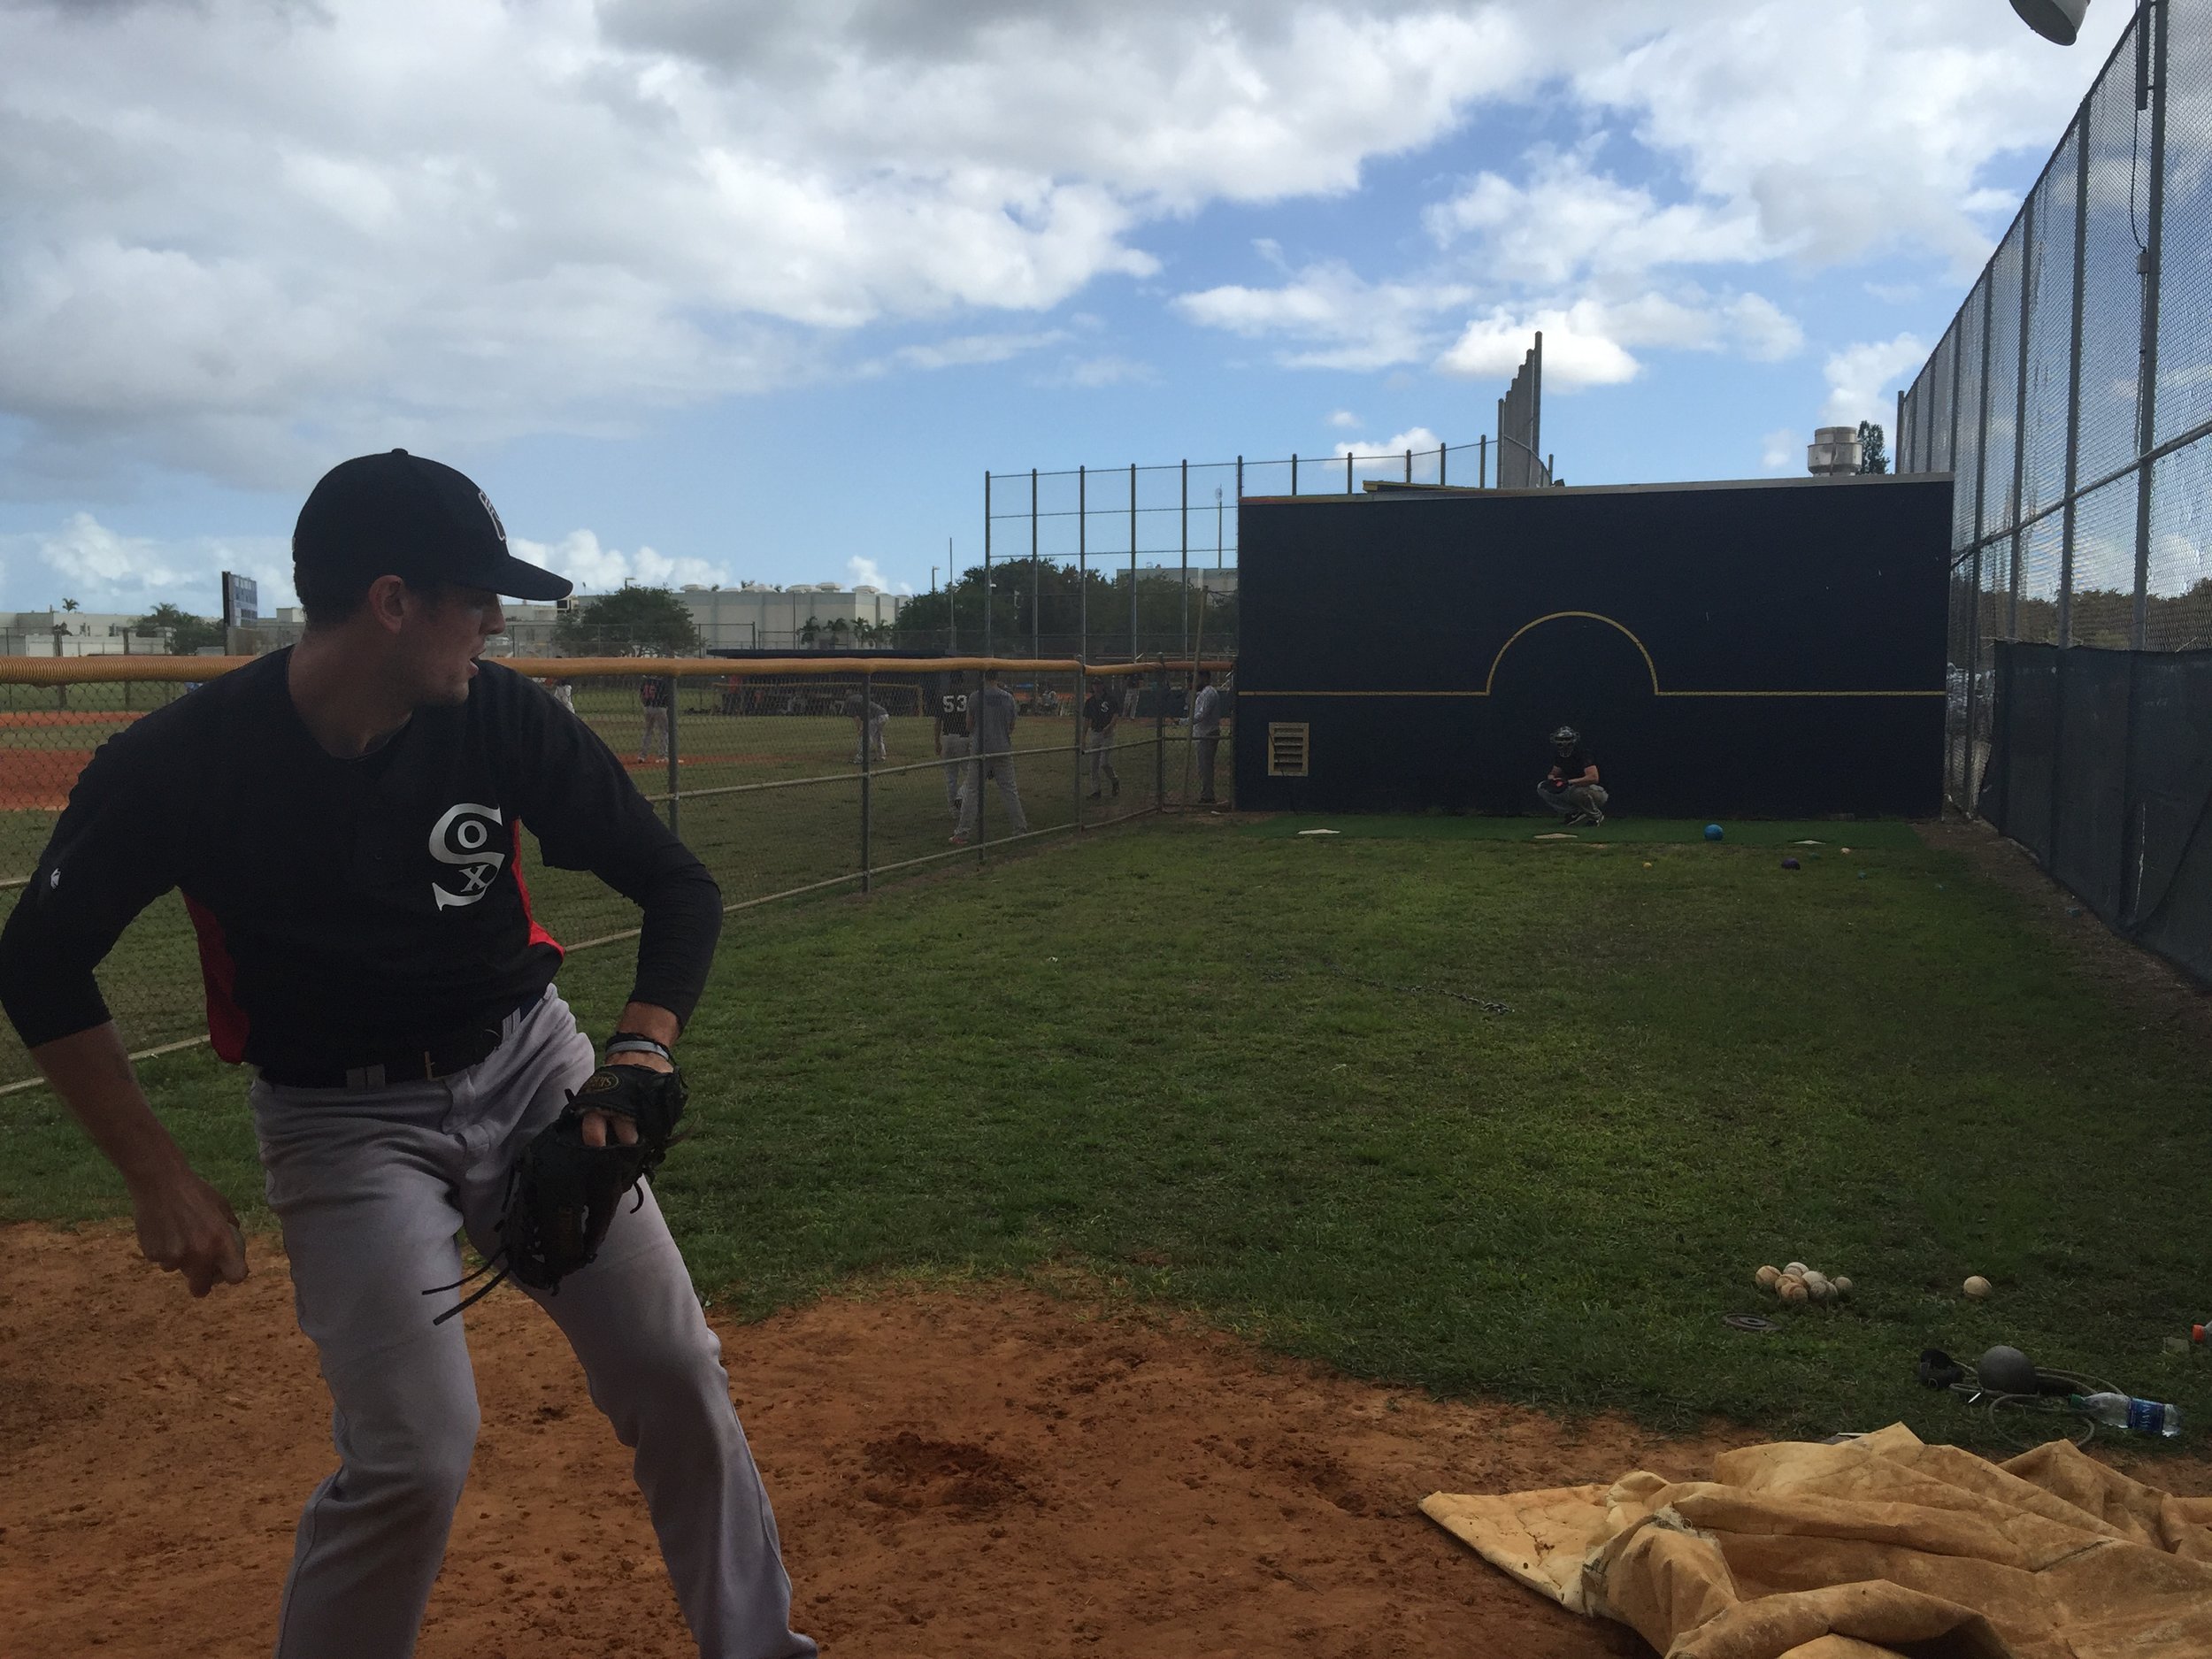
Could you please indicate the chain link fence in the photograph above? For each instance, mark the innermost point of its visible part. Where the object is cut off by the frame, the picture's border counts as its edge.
(2070, 400)
(786, 777)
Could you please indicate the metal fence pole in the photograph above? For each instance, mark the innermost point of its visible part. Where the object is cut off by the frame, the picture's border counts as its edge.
(867, 784)
(1443, 463)
(1082, 564)
(987, 565)
(1293, 471)
(675, 780)
(1981, 496)
(1159, 739)
(1482, 461)
(2020, 411)
(1036, 573)
(1409, 466)
(2073, 390)
(1186, 588)
(2153, 17)
(1348, 474)
(1133, 561)
(1081, 696)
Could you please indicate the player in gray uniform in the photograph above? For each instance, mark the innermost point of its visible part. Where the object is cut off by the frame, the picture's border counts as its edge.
(344, 821)
(954, 739)
(868, 723)
(1205, 728)
(1101, 712)
(994, 715)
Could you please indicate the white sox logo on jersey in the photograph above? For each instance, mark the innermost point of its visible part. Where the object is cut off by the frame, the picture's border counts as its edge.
(462, 839)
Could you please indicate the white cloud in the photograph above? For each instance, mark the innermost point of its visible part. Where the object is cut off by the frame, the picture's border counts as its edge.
(238, 237)
(1339, 320)
(102, 569)
(1577, 351)
(1088, 373)
(1783, 449)
(595, 569)
(1344, 419)
(1569, 221)
(968, 350)
(866, 572)
(1863, 381)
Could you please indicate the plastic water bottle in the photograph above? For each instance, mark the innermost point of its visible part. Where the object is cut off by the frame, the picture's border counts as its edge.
(2124, 1411)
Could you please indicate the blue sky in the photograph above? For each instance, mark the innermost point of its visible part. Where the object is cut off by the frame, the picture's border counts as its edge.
(722, 290)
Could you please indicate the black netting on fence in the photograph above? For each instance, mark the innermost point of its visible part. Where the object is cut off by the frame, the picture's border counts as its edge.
(2101, 769)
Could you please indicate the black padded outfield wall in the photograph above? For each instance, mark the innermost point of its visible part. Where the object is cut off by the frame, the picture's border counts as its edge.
(2098, 766)
(1762, 649)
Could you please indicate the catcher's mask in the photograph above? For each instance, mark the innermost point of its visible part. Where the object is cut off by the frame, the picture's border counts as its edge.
(1566, 740)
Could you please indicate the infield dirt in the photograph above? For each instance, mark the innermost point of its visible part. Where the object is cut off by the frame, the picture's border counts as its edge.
(984, 1470)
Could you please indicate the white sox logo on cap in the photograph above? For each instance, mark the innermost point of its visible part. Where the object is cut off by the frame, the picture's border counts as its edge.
(462, 837)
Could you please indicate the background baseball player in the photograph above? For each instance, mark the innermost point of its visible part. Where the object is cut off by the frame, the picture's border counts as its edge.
(1101, 711)
(993, 710)
(871, 720)
(345, 821)
(1572, 788)
(953, 741)
(1205, 730)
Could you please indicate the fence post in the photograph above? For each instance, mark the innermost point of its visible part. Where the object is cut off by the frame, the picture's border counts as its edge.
(2153, 17)
(675, 778)
(1036, 573)
(2020, 411)
(987, 565)
(1443, 463)
(867, 764)
(1083, 564)
(1293, 471)
(2073, 398)
(1159, 739)
(1409, 466)
(1348, 474)
(1133, 561)
(1081, 695)
(1482, 461)
(1186, 588)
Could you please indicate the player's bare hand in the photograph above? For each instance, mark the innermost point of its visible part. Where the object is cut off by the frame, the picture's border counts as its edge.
(186, 1226)
(595, 1126)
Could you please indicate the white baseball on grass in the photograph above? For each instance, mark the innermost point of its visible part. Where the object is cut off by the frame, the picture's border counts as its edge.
(1976, 1287)
(1796, 1269)
(1842, 1284)
(1792, 1291)
(1768, 1278)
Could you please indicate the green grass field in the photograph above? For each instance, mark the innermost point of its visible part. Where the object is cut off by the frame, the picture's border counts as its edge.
(1240, 1074)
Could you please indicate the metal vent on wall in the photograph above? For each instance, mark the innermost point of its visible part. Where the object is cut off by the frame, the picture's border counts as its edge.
(1288, 748)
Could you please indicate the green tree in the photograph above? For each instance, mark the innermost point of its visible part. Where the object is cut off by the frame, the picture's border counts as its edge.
(1872, 456)
(185, 633)
(630, 622)
(809, 631)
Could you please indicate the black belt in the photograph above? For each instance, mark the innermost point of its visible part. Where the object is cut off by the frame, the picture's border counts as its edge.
(440, 1057)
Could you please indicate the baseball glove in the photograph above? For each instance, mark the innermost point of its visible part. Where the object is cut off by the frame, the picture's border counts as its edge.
(562, 1194)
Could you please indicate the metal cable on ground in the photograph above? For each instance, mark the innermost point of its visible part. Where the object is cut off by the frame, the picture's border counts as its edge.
(1994, 1404)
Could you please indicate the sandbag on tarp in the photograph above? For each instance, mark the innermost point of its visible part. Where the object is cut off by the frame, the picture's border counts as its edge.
(1879, 1545)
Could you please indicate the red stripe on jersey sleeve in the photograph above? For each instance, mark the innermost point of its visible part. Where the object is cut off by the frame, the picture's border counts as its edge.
(227, 1026)
(538, 935)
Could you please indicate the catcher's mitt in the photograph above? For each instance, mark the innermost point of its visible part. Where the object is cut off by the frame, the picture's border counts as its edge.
(562, 1193)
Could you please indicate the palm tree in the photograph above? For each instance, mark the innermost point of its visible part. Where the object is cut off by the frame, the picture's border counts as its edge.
(811, 632)
(68, 604)
(837, 627)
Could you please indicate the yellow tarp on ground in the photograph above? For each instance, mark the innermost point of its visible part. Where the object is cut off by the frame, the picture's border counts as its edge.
(1880, 1546)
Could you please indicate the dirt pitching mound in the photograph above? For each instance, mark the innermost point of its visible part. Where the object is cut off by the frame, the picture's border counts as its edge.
(986, 1472)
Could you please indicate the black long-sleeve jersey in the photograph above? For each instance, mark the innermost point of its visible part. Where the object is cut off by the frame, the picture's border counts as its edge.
(347, 910)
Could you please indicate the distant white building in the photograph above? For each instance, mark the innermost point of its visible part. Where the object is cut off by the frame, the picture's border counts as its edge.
(74, 634)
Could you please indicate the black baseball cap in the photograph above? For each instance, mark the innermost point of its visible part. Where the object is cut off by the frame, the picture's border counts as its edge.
(402, 515)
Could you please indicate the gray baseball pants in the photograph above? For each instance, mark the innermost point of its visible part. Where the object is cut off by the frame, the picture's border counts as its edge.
(1103, 758)
(1002, 768)
(1574, 799)
(956, 749)
(1209, 746)
(371, 1186)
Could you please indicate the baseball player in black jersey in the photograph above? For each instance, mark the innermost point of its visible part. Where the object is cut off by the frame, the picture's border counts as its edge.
(955, 739)
(344, 819)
